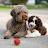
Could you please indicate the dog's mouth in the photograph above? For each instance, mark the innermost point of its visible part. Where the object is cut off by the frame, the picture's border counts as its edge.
(25, 19)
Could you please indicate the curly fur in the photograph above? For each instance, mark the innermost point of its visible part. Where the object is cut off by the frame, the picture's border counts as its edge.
(17, 23)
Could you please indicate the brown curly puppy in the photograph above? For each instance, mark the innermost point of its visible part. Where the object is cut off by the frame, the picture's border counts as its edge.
(17, 23)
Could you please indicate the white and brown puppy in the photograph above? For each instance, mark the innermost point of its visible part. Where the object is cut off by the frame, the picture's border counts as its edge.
(35, 27)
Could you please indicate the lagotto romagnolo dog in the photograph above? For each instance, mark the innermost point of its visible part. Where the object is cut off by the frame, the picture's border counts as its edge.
(16, 25)
(35, 27)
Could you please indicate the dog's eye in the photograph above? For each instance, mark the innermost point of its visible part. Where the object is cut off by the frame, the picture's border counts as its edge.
(32, 21)
(29, 25)
(18, 13)
(25, 12)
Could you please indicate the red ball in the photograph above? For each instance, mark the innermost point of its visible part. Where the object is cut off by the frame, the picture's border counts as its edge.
(17, 41)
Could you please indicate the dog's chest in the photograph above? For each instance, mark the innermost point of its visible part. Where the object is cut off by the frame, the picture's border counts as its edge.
(20, 27)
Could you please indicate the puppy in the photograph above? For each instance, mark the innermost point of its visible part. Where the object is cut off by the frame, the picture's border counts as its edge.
(35, 27)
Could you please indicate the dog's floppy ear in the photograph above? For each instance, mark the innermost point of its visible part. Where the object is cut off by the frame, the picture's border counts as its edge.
(13, 13)
(39, 22)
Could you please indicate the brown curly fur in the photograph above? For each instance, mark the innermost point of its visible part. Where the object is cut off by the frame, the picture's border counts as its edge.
(17, 23)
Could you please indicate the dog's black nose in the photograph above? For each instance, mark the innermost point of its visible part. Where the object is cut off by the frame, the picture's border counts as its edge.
(31, 25)
(4, 38)
(25, 19)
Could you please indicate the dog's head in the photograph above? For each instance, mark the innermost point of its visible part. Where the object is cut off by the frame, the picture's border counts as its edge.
(20, 13)
(34, 22)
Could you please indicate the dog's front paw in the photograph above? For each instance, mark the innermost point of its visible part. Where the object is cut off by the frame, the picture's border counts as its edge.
(17, 36)
(30, 35)
(7, 36)
(27, 36)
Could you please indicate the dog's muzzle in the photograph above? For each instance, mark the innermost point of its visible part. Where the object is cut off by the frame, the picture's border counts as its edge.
(25, 17)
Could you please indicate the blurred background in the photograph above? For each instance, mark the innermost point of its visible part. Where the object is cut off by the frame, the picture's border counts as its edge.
(30, 4)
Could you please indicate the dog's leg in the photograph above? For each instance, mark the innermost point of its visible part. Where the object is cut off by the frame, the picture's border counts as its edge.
(8, 35)
(20, 34)
(28, 32)
(34, 34)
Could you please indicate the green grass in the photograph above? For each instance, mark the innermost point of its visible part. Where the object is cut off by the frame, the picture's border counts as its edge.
(5, 8)
(29, 7)
(33, 7)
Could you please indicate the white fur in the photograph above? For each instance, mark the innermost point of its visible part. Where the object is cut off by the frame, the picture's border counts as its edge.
(28, 31)
(33, 24)
(34, 34)
(34, 19)
(27, 24)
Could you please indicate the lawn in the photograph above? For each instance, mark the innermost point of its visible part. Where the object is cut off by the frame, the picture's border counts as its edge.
(29, 7)
(33, 7)
(5, 8)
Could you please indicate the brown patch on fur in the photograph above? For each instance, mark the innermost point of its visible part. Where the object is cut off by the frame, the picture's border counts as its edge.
(42, 30)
